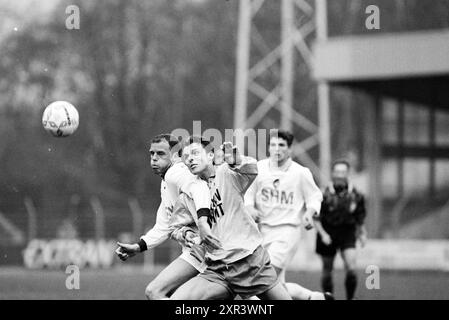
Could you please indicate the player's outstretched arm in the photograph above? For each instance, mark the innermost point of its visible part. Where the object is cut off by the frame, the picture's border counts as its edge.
(159, 233)
(231, 154)
(244, 169)
(125, 250)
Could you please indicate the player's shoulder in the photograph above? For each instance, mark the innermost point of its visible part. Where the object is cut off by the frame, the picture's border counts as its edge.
(356, 191)
(176, 171)
(263, 164)
(298, 168)
(328, 190)
(221, 168)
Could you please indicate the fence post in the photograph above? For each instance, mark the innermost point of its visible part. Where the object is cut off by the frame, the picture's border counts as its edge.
(99, 218)
(138, 229)
(137, 216)
(32, 218)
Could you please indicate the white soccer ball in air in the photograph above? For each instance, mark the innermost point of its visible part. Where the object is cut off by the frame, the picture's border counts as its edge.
(61, 119)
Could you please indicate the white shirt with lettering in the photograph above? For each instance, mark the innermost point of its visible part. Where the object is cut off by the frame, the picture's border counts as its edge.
(280, 194)
(229, 221)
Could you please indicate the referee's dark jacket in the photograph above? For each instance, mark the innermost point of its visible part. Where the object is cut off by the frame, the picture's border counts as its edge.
(344, 209)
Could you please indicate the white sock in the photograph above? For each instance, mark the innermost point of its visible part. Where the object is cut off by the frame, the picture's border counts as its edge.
(317, 296)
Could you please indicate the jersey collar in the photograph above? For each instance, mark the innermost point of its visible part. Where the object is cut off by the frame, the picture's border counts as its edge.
(171, 165)
(283, 168)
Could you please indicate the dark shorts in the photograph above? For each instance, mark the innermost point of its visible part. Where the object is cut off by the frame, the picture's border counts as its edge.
(247, 277)
(342, 239)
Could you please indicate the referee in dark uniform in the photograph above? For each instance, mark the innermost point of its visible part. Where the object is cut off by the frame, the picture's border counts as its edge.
(339, 225)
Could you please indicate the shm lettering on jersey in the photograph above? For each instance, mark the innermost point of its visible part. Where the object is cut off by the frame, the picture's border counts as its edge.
(276, 196)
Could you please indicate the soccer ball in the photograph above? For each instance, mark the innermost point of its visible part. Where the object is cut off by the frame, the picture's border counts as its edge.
(60, 118)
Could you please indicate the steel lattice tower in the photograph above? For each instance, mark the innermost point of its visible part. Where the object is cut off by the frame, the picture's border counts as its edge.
(292, 43)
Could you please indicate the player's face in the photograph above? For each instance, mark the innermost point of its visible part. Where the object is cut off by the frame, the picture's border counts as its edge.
(196, 158)
(279, 150)
(160, 157)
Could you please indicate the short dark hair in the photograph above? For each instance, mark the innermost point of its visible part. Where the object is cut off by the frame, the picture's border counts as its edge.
(283, 134)
(201, 140)
(172, 141)
(341, 161)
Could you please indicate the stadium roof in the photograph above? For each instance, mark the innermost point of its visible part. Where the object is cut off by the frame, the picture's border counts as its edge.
(413, 66)
(383, 56)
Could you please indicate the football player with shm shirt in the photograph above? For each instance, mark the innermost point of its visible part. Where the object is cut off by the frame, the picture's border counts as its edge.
(241, 266)
(177, 182)
(282, 198)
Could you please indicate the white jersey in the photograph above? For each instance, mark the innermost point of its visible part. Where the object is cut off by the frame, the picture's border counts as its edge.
(280, 194)
(178, 179)
(229, 220)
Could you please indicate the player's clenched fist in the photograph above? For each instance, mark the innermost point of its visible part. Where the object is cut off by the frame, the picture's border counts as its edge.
(209, 241)
(192, 238)
(125, 251)
(308, 220)
(231, 154)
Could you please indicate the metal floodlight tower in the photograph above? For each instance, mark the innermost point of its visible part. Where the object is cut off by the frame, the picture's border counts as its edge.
(280, 98)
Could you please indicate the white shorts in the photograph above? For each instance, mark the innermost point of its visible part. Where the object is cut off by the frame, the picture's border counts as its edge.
(187, 257)
(281, 243)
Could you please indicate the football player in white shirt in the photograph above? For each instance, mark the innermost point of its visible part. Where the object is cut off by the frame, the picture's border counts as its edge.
(276, 200)
(176, 180)
(241, 266)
